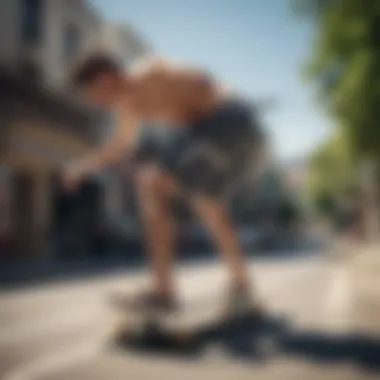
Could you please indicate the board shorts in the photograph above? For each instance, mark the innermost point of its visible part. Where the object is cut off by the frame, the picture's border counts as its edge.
(211, 156)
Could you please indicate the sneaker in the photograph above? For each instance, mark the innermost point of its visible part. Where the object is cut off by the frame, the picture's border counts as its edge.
(146, 301)
(240, 302)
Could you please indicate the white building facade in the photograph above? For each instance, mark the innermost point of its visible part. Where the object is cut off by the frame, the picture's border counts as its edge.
(123, 42)
(42, 37)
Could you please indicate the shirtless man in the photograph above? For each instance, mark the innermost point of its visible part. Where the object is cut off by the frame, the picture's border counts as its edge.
(211, 139)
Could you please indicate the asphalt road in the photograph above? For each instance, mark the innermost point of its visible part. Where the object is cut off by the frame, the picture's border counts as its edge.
(60, 331)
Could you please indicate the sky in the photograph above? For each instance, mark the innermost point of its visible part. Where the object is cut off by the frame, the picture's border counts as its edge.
(255, 46)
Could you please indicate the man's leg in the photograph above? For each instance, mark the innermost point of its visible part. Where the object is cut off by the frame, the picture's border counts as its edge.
(215, 216)
(155, 191)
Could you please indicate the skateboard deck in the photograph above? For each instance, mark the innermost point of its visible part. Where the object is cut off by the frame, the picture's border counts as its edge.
(194, 323)
(178, 326)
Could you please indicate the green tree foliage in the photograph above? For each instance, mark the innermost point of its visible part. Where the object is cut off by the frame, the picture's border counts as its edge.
(345, 64)
(331, 171)
(326, 204)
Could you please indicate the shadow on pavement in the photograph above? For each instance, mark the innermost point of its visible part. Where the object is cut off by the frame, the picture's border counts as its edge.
(251, 340)
(360, 350)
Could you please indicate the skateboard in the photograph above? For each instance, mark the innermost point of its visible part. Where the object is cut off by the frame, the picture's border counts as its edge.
(149, 328)
(188, 328)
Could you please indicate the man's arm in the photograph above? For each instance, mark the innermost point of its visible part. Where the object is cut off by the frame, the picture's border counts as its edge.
(121, 141)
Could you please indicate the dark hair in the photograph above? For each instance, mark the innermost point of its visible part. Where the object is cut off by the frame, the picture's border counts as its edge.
(89, 68)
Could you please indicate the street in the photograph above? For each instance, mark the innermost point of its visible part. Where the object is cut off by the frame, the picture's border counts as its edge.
(59, 331)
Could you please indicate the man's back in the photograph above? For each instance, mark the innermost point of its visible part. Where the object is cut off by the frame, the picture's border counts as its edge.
(164, 91)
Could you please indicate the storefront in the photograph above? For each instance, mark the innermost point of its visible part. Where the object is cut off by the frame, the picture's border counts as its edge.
(40, 133)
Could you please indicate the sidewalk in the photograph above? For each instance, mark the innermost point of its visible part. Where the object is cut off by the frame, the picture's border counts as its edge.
(362, 272)
(365, 270)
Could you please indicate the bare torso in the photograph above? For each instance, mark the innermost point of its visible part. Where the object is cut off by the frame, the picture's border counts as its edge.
(160, 92)
(167, 93)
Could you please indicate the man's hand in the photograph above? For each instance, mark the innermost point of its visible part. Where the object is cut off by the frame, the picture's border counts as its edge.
(71, 178)
(110, 153)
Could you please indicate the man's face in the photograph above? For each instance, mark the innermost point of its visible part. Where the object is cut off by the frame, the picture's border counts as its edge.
(103, 91)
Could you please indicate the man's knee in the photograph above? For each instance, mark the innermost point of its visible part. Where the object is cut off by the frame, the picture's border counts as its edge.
(152, 182)
(204, 169)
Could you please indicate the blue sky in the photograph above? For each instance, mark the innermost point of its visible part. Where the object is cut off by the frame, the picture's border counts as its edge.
(256, 46)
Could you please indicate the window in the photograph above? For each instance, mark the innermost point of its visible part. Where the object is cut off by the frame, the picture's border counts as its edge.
(31, 21)
(71, 41)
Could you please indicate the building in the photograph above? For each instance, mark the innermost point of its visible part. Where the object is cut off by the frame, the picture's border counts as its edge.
(5, 217)
(40, 133)
(42, 125)
(41, 38)
(295, 177)
(124, 42)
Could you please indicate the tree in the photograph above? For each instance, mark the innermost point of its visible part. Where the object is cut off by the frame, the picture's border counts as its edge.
(331, 171)
(326, 205)
(345, 64)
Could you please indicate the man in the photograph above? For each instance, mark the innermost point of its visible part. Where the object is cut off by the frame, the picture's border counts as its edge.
(210, 141)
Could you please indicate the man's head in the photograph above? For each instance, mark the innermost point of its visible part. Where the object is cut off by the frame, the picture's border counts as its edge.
(100, 79)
